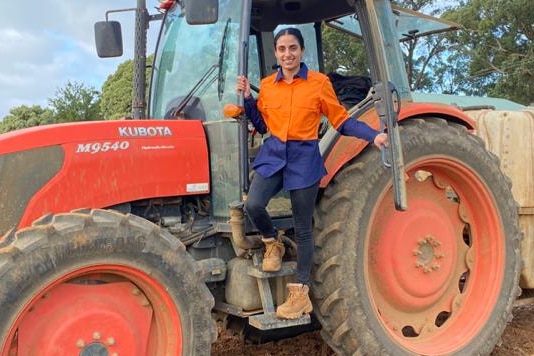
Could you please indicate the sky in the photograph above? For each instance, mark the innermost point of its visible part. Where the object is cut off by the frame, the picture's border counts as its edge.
(45, 44)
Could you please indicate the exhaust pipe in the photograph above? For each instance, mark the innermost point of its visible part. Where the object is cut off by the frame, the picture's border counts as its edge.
(237, 222)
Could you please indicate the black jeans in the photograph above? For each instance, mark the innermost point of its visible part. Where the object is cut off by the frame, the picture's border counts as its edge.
(302, 203)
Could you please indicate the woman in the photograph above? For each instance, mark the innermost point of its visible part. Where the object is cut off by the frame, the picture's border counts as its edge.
(290, 105)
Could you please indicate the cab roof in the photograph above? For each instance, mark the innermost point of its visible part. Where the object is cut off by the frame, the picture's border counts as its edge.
(267, 14)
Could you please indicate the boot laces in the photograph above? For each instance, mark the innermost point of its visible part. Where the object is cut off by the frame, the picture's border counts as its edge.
(292, 297)
(270, 248)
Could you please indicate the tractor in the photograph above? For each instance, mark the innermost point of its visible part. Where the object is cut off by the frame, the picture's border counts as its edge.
(129, 237)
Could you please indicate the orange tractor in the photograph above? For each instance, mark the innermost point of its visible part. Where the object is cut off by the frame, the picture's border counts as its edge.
(128, 237)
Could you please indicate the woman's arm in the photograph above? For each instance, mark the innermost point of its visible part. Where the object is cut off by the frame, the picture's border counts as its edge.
(254, 115)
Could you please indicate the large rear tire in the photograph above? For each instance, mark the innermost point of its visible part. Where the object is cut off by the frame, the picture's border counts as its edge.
(438, 279)
(100, 282)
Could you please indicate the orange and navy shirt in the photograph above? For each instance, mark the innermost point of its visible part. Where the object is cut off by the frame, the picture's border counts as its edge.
(292, 114)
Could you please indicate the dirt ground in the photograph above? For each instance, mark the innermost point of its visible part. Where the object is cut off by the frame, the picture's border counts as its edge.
(517, 340)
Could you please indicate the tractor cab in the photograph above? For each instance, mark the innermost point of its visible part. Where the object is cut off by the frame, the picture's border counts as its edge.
(202, 50)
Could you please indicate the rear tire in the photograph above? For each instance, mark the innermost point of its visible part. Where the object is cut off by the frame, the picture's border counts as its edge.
(89, 281)
(438, 279)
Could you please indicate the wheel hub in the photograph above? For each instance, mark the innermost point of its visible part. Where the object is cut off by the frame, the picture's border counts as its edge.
(95, 349)
(428, 254)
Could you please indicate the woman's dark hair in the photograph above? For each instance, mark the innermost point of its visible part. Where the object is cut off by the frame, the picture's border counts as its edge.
(290, 31)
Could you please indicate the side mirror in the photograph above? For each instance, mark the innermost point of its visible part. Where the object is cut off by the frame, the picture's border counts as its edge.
(108, 39)
(201, 12)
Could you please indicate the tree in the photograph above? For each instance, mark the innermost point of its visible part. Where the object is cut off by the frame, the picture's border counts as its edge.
(26, 116)
(342, 53)
(76, 102)
(117, 91)
(498, 39)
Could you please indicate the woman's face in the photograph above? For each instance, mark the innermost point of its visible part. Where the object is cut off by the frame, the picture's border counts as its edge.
(288, 53)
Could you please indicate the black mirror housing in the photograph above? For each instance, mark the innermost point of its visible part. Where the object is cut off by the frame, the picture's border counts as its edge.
(108, 39)
(201, 12)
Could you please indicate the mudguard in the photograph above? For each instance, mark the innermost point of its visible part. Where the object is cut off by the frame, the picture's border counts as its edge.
(346, 148)
(57, 168)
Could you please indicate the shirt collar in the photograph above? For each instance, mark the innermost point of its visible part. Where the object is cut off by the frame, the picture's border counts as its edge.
(302, 73)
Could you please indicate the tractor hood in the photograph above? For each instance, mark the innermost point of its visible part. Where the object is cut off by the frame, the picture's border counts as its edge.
(58, 168)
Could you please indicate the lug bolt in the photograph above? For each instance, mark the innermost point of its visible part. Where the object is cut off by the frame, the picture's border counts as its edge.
(111, 341)
(96, 335)
(80, 343)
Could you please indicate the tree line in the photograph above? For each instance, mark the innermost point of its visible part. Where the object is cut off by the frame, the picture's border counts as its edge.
(492, 54)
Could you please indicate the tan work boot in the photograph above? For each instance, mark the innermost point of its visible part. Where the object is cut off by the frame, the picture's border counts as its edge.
(272, 259)
(298, 302)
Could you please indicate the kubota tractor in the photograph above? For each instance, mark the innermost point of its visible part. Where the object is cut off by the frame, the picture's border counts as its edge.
(128, 237)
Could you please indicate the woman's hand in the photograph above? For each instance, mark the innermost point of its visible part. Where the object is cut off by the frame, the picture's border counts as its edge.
(243, 86)
(381, 140)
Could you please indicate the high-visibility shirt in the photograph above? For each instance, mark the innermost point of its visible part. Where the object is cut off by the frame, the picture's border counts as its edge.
(292, 113)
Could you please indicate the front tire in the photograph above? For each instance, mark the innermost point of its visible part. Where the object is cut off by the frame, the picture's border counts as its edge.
(100, 282)
(438, 279)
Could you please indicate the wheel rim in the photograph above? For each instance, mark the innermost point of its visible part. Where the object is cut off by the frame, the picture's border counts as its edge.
(434, 272)
(107, 309)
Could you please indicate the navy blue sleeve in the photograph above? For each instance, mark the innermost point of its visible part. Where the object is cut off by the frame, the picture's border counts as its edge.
(359, 129)
(254, 115)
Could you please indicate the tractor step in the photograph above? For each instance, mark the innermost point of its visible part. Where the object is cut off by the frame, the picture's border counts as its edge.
(270, 321)
(288, 269)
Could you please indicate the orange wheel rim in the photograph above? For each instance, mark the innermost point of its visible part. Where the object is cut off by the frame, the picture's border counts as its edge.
(434, 272)
(161, 331)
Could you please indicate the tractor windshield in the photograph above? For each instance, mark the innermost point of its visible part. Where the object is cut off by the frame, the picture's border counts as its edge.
(195, 67)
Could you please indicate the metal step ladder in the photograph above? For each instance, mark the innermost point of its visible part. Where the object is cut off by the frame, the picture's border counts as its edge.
(268, 320)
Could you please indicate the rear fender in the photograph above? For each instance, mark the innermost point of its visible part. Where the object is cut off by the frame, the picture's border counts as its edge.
(346, 148)
(58, 168)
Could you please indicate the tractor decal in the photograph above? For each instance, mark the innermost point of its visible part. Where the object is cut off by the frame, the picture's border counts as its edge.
(98, 147)
(131, 131)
